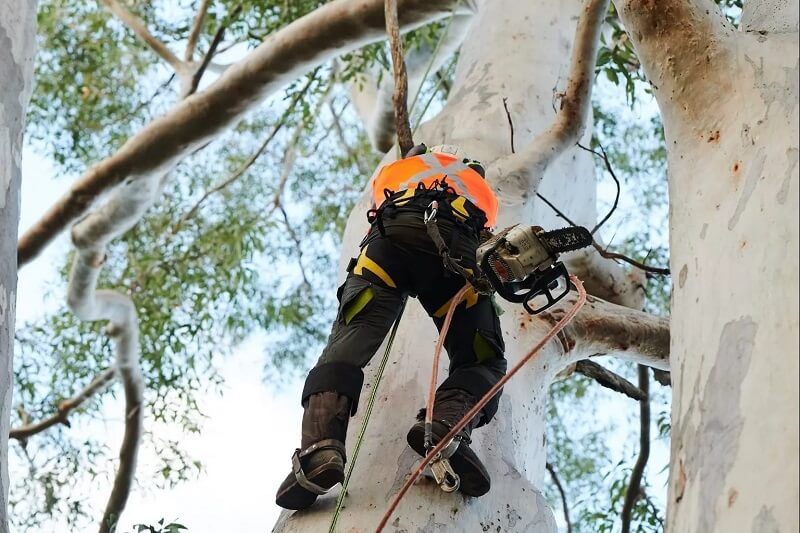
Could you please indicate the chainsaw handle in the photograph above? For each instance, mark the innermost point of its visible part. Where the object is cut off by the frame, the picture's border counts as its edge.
(558, 271)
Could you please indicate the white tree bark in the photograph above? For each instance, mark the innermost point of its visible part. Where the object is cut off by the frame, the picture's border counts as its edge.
(729, 101)
(519, 50)
(17, 50)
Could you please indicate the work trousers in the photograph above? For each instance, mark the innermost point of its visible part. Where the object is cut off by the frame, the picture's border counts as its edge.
(402, 261)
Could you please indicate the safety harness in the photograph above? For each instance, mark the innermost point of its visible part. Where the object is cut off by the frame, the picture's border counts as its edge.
(431, 202)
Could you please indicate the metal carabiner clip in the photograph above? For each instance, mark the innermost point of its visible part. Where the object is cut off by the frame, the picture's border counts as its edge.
(442, 470)
(430, 212)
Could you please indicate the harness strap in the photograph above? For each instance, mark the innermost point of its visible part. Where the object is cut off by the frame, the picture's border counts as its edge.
(479, 283)
(297, 467)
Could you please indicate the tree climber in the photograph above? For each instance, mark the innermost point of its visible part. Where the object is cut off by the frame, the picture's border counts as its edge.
(398, 258)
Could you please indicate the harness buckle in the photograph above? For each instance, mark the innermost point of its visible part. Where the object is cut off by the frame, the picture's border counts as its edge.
(431, 211)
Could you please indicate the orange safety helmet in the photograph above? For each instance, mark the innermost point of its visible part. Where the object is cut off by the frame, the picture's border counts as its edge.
(434, 165)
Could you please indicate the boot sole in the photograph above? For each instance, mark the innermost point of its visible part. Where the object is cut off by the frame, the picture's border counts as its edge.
(475, 479)
(295, 497)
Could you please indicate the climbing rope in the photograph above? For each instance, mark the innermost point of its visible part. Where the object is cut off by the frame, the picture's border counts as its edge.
(484, 400)
(365, 422)
(435, 372)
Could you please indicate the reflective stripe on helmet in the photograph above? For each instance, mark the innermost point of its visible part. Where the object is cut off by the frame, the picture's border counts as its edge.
(437, 168)
(406, 174)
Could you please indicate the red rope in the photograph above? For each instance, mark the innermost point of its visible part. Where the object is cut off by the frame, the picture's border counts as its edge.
(483, 401)
(436, 353)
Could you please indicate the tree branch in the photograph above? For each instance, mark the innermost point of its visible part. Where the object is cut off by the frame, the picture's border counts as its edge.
(137, 26)
(335, 28)
(634, 487)
(400, 94)
(563, 494)
(64, 408)
(524, 170)
(610, 169)
(609, 379)
(90, 236)
(603, 328)
(212, 49)
(663, 271)
(608, 280)
(194, 33)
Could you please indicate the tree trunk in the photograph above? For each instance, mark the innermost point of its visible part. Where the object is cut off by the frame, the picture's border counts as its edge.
(17, 48)
(519, 50)
(729, 101)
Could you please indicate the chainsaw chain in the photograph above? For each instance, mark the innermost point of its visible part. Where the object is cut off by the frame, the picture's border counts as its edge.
(567, 239)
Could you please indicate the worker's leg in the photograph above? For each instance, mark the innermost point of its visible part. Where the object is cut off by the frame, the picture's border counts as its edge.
(369, 302)
(475, 346)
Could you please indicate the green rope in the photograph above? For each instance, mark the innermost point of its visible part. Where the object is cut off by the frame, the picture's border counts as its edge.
(433, 58)
(370, 403)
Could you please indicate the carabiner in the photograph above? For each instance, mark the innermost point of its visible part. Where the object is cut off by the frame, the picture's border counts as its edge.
(430, 212)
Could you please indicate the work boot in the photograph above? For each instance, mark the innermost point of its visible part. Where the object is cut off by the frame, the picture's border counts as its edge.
(318, 464)
(449, 408)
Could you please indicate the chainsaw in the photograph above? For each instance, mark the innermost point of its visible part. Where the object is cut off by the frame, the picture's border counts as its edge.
(521, 263)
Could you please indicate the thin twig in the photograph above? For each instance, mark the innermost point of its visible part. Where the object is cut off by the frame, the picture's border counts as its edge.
(634, 486)
(337, 126)
(605, 253)
(212, 49)
(655, 510)
(609, 379)
(251, 160)
(400, 95)
(563, 494)
(614, 255)
(425, 107)
(137, 26)
(297, 244)
(149, 101)
(197, 27)
(604, 157)
(510, 123)
(64, 408)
